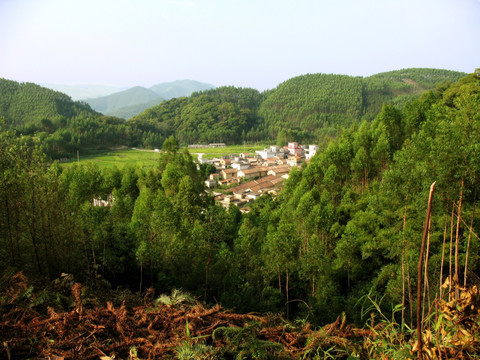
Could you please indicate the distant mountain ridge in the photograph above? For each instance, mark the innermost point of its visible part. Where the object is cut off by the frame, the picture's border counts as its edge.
(130, 102)
(311, 107)
(85, 91)
(179, 88)
(110, 103)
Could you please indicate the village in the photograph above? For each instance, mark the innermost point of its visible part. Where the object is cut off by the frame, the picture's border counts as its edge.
(240, 179)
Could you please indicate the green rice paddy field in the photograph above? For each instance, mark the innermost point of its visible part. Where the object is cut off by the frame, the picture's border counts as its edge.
(146, 158)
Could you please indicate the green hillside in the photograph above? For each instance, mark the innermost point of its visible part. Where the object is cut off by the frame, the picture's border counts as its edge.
(387, 208)
(130, 102)
(132, 96)
(224, 114)
(306, 103)
(61, 126)
(22, 104)
(129, 111)
(313, 105)
(310, 108)
(179, 88)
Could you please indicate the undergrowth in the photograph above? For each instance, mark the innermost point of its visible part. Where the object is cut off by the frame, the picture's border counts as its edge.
(178, 327)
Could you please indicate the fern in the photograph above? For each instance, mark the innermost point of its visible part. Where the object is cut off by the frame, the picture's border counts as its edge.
(243, 343)
(177, 297)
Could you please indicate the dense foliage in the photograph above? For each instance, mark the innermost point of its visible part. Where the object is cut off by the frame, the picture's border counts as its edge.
(225, 114)
(63, 126)
(27, 104)
(308, 108)
(348, 224)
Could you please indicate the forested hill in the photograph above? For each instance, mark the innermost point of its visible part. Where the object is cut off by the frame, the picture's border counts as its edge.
(225, 114)
(62, 126)
(24, 104)
(309, 108)
(305, 108)
(313, 105)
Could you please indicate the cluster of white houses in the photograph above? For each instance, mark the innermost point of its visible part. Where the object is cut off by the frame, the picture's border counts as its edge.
(255, 175)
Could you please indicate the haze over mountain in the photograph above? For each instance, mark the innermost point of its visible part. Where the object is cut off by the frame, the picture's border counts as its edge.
(179, 88)
(132, 96)
(84, 91)
(133, 101)
(127, 112)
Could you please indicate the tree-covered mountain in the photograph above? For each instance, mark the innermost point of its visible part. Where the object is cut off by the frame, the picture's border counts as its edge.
(26, 104)
(314, 105)
(133, 96)
(63, 126)
(310, 108)
(179, 88)
(224, 114)
(420, 78)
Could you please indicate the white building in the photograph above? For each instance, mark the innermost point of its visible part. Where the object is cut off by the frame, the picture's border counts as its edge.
(311, 151)
(270, 152)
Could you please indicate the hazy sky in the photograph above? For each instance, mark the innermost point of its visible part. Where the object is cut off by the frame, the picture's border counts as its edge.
(248, 43)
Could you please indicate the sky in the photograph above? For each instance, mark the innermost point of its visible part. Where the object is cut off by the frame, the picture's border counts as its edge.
(245, 43)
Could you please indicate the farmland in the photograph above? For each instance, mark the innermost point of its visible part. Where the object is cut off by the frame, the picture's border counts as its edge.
(146, 158)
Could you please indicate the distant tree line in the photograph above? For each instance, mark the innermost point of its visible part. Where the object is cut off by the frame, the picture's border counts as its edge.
(311, 108)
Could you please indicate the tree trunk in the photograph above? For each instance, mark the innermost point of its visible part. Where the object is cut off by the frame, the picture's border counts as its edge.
(451, 253)
(403, 262)
(468, 244)
(443, 255)
(457, 239)
(286, 291)
(10, 238)
(426, 285)
(420, 266)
